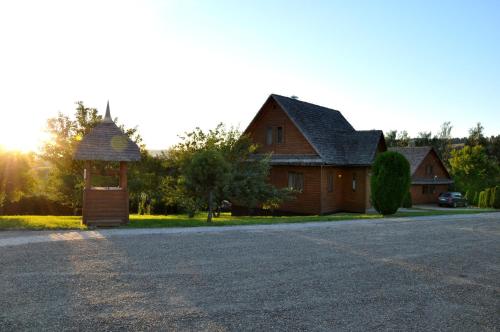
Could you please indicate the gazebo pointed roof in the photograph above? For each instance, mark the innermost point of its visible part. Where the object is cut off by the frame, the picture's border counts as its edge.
(107, 142)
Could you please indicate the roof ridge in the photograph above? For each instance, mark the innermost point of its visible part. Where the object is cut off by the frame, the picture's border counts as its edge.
(304, 102)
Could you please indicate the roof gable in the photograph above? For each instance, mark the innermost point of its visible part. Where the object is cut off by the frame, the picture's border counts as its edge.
(416, 155)
(329, 133)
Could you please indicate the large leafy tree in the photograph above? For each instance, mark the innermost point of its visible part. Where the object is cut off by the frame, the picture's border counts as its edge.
(209, 167)
(66, 175)
(473, 170)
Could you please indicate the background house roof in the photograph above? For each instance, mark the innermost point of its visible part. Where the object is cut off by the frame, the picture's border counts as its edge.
(415, 155)
(107, 142)
(330, 134)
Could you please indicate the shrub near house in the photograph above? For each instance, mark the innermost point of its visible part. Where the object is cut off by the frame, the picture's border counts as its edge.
(390, 181)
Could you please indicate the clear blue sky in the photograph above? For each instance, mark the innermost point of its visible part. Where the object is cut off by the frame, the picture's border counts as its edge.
(168, 66)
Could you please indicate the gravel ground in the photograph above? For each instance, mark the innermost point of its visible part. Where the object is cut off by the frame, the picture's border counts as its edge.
(432, 273)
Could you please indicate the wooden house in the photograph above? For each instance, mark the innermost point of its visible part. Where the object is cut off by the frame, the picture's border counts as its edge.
(106, 206)
(316, 151)
(429, 176)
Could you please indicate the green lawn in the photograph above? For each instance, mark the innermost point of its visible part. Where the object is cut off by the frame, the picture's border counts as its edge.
(137, 221)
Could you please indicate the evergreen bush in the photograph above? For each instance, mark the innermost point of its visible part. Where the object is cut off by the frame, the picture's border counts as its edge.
(481, 202)
(496, 200)
(390, 181)
(407, 203)
(492, 196)
(475, 199)
(487, 195)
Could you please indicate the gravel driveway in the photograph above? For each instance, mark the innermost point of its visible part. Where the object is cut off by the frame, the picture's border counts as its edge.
(428, 273)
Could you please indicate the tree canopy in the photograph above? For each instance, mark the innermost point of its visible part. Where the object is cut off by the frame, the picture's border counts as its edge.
(210, 167)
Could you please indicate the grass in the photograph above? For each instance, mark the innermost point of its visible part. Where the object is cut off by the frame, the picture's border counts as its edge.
(138, 221)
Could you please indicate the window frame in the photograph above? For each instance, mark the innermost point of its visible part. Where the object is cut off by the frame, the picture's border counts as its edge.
(269, 136)
(280, 137)
(296, 181)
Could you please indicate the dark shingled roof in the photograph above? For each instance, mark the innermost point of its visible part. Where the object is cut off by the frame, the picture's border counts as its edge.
(415, 155)
(107, 142)
(330, 134)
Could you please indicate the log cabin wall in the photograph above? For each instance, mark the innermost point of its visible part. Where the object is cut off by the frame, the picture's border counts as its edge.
(429, 195)
(309, 200)
(354, 197)
(272, 116)
(331, 194)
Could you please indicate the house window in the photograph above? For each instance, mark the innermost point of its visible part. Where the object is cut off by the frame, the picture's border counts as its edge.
(428, 170)
(279, 135)
(353, 181)
(296, 181)
(269, 136)
(329, 181)
(428, 189)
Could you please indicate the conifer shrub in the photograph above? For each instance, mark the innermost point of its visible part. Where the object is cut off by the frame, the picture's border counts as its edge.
(407, 203)
(487, 195)
(481, 202)
(475, 199)
(492, 196)
(390, 182)
(496, 200)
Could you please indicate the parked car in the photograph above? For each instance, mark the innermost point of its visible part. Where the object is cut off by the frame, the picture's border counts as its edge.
(452, 199)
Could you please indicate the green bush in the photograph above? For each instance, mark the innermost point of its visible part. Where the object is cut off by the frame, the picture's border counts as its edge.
(482, 202)
(475, 200)
(390, 181)
(491, 201)
(496, 198)
(407, 203)
(487, 195)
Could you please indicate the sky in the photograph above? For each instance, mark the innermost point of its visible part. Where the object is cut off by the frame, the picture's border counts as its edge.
(170, 66)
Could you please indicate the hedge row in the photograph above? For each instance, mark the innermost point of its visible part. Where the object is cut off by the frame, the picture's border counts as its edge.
(489, 198)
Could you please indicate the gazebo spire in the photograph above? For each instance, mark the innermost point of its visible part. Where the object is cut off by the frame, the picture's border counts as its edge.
(107, 117)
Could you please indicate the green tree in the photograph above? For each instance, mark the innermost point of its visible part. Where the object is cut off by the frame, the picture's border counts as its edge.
(390, 138)
(206, 173)
(472, 169)
(16, 177)
(144, 183)
(424, 138)
(403, 139)
(390, 181)
(239, 177)
(443, 142)
(476, 136)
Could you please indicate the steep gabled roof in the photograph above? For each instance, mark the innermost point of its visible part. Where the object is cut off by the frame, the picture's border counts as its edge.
(416, 155)
(107, 142)
(330, 134)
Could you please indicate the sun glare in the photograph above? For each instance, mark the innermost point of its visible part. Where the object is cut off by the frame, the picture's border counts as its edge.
(13, 139)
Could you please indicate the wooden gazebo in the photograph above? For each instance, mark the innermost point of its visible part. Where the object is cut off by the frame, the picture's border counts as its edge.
(106, 206)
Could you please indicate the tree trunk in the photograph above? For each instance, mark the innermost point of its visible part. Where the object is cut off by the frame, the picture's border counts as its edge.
(210, 208)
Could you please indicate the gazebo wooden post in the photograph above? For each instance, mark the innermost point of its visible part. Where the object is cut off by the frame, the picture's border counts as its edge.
(123, 185)
(87, 177)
